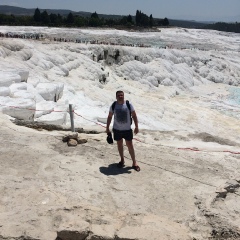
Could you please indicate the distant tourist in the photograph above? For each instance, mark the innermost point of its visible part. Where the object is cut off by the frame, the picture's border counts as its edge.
(122, 111)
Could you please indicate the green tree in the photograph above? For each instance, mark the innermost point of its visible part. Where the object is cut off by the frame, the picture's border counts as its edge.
(142, 19)
(12, 19)
(95, 21)
(59, 19)
(138, 13)
(53, 18)
(37, 15)
(80, 21)
(151, 20)
(165, 22)
(129, 19)
(45, 17)
(110, 22)
(94, 15)
(123, 21)
(70, 18)
(126, 20)
(25, 20)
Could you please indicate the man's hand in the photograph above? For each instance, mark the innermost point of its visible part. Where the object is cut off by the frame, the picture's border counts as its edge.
(108, 131)
(136, 130)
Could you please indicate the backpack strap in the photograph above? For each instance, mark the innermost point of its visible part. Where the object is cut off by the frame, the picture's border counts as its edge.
(129, 108)
(113, 105)
(128, 105)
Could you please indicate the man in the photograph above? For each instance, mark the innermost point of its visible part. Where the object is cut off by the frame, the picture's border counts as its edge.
(122, 127)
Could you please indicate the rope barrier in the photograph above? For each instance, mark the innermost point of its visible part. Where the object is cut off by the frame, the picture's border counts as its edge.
(231, 152)
(88, 119)
(191, 149)
(197, 150)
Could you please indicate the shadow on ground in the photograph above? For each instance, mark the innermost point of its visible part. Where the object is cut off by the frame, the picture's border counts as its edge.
(113, 169)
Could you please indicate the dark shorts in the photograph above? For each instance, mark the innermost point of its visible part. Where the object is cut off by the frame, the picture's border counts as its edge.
(126, 134)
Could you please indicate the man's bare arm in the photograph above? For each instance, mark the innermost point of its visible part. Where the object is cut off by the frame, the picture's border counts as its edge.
(135, 119)
(109, 119)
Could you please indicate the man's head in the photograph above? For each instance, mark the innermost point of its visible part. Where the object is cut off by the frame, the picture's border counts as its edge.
(120, 96)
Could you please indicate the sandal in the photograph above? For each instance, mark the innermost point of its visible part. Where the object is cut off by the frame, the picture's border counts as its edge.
(136, 168)
(121, 164)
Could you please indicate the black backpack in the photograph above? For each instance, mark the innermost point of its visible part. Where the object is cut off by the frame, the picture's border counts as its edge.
(129, 108)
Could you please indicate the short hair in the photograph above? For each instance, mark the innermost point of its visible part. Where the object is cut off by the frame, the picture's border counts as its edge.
(119, 91)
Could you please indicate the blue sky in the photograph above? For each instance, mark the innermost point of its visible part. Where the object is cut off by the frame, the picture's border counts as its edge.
(199, 10)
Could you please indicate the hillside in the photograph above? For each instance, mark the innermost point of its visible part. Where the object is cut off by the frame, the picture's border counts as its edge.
(186, 24)
(4, 9)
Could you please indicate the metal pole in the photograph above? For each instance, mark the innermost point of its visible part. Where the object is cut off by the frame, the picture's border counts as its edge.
(71, 117)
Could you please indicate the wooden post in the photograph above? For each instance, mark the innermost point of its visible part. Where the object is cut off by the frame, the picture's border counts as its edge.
(71, 117)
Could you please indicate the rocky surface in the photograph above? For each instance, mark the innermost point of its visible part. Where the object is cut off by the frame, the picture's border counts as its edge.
(50, 191)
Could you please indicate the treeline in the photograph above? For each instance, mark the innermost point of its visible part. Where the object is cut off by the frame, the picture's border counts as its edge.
(143, 20)
(57, 20)
(226, 27)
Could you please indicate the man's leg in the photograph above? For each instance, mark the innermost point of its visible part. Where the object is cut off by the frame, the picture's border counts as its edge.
(131, 151)
(120, 150)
